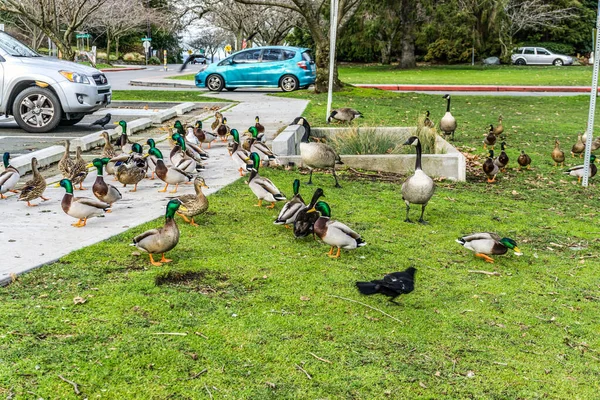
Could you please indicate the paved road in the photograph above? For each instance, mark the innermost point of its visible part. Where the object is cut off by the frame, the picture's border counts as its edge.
(119, 80)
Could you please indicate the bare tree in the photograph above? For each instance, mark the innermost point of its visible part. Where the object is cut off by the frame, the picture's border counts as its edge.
(58, 19)
(316, 15)
(524, 15)
(274, 25)
(211, 41)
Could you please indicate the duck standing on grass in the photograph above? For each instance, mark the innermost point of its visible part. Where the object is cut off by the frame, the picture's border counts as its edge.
(34, 187)
(334, 233)
(524, 160)
(392, 285)
(262, 187)
(558, 156)
(502, 160)
(161, 240)
(81, 208)
(578, 147)
(291, 209)
(195, 204)
(490, 168)
(578, 169)
(305, 221)
(486, 243)
(419, 188)
(104, 191)
(490, 139)
(9, 177)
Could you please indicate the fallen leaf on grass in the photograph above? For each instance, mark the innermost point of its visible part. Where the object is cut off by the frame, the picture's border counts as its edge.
(78, 300)
(304, 298)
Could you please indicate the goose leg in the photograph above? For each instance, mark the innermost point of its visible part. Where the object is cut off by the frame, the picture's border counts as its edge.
(155, 263)
(337, 184)
(421, 220)
(407, 209)
(310, 177)
(486, 258)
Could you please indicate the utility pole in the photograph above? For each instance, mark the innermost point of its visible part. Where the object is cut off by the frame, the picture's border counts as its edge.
(333, 20)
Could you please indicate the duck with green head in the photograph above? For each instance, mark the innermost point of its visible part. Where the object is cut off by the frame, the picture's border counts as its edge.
(179, 127)
(132, 171)
(262, 187)
(163, 239)
(334, 233)
(239, 156)
(152, 158)
(103, 191)
(265, 153)
(291, 209)
(305, 221)
(9, 177)
(169, 175)
(485, 244)
(578, 169)
(123, 140)
(202, 135)
(81, 208)
(180, 159)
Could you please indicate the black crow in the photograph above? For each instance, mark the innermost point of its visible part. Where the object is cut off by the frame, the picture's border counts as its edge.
(392, 285)
(102, 121)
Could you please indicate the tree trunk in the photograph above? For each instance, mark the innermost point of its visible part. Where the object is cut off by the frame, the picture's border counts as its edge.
(408, 51)
(107, 48)
(386, 52)
(116, 49)
(322, 63)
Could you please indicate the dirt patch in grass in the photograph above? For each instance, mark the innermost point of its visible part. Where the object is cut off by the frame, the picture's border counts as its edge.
(203, 281)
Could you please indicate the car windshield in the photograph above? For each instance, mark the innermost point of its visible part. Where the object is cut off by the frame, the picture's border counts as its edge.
(15, 48)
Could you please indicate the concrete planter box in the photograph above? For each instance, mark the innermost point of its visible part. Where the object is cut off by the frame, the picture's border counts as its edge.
(448, 162)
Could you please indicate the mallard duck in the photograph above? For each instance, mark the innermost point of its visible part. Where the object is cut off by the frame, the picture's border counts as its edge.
(34, 187)
(502, 160)
(490, 168)
(524, 160)
(260, 129)
(419, 188)
(596, 144)
(9, 177)
(427, 121)
(171, 176)
(108, 151)
(180, 158)
(448, 122)
(334, 233)
(103, 191)
(195, 204)
(152, 158)
(316, 155)
(557, 154)
(578, 147)
(179, 127)
(291, 209)
(490, 139)
(223, 130)
(202, 135)
(192, 145)
(499, 129)
(81, 208)
(123, 140)
(344, 114)
(578, 170)
(79, 171)
(265, 153)
(262, 187)
(161, 240)
(65, 165)
(486, 243)
(238, 155)
(305, 221)
(218, 120)
(132, 171)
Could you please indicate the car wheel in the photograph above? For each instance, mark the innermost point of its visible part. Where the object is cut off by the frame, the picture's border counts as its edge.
(37, 110)
(215, 83)
(231, 89)
(520, 61)
(558, 62)
(288, 83)
(69, 122)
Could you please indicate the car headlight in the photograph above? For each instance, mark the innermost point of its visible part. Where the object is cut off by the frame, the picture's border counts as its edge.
(75, 77)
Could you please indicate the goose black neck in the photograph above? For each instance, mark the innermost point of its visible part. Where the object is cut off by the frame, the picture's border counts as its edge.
(418, 162)
(448, 104)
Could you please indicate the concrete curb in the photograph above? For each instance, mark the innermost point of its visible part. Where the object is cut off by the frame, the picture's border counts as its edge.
(45, 157)
(475, 88)
(175, 84)
(122, 69)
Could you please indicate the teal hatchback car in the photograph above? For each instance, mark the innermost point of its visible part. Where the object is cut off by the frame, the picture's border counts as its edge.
(289, 68)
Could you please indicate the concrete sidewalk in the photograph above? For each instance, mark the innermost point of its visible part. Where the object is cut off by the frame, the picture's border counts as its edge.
(32, 237)
(163, 82)
(475, 88)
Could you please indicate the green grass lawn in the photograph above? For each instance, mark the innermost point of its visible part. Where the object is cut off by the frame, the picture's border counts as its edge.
(99, 65)
(257, 305)
(162, 95)
(461, 75)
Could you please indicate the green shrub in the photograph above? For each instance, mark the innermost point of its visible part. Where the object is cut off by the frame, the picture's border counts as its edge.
(448, 51)
(130, 57)
(367, 141)
(154, 60)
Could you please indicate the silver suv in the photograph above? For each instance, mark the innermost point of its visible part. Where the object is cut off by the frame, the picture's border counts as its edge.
(539, 56)
(43, 92)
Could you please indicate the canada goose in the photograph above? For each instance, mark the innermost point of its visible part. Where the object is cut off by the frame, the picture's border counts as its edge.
(316, 155)
(427, 121)
(418, 188)
(344, 114)
(490, 139)
(490, 169)
(502, 160)
(557, 154)
(578, 147)
(524, 160)
(448, 122)
(499, 129)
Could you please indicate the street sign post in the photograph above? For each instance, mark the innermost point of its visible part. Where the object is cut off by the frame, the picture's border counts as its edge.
(146, 43)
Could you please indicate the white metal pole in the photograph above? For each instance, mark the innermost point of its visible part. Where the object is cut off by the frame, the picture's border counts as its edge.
(593, 96)
(332, 38)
